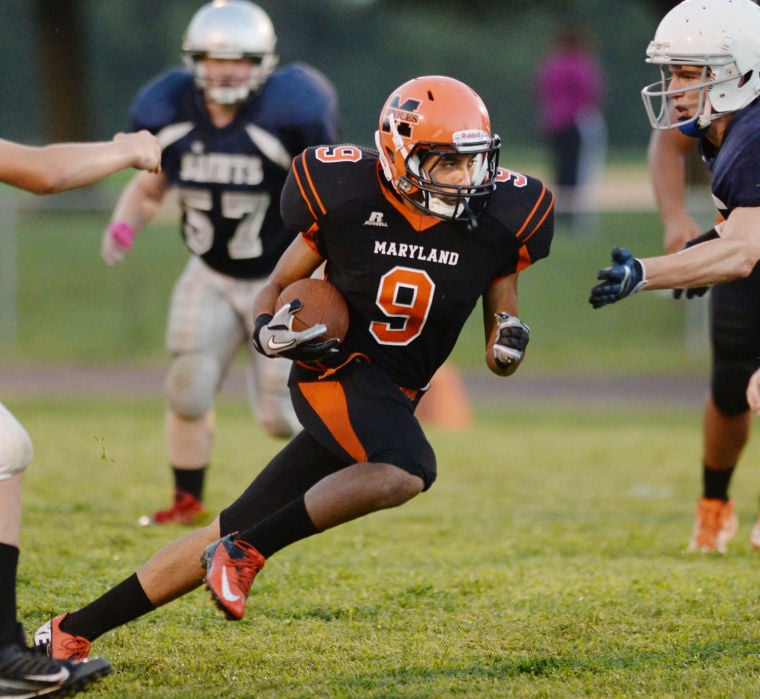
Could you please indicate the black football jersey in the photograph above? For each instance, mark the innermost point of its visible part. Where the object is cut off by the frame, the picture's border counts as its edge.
(735, 167)
(410, 280)
(229, 179)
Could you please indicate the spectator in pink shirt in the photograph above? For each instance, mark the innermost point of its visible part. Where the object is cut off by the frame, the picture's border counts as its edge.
(570, 91)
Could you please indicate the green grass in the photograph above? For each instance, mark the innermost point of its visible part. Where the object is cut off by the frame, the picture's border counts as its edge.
(545, 562)
(73, 309)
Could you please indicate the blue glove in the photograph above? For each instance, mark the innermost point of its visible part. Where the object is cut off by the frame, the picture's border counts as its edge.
(626, 276)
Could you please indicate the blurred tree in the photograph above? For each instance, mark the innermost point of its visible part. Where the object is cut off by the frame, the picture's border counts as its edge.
(663, 6)
(59, 43)
(74, 67)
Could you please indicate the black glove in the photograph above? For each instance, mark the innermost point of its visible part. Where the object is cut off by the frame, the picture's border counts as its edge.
(511, 340)
(712, 234)
(624, 277)
(273, 336)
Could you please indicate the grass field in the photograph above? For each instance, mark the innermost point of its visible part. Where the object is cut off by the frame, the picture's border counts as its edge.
(545, 562)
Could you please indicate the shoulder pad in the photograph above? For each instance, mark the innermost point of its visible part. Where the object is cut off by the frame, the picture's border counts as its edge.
(163, 101)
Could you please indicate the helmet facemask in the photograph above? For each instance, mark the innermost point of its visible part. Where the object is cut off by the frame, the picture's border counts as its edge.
(230, 30)
(451, 202)
(716, 81)
(261, 67)
(408, 163)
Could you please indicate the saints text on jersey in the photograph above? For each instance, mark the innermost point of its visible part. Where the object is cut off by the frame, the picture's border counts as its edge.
(416, 252)
(224, 168)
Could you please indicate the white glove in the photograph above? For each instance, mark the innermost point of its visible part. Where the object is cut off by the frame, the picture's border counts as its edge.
(274, 336)
(512, 338)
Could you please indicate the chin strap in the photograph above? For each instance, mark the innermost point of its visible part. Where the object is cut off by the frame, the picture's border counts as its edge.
(691, 129)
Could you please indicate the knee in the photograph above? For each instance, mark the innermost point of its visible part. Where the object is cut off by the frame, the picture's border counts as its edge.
(16, 449)
(192, 383)
(277, 425)
(729, 386)
(399, 486)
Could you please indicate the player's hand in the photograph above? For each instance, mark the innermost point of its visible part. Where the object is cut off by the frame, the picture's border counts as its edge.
(699, 290)
(274, 337)
(145, 147)
(512, 337)
(624, 277)
(116, 243)
(690, 293)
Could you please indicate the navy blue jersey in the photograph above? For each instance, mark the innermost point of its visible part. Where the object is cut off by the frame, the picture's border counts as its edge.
(735, 166)
(229, 179)
(410, 280)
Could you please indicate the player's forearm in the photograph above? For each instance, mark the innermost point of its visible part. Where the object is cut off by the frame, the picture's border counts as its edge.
(667, 173)
(140, 201)
(63, 166)
(714, 262)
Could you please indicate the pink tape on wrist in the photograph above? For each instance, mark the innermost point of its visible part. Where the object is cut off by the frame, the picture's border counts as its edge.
(122, 234)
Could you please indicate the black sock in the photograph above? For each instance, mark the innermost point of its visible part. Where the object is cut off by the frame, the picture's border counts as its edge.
(8, 568)
(190, 480)
(120, 604)
(715, 483)
(286, 526)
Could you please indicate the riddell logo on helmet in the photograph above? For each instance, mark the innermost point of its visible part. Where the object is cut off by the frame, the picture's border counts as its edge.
(470, 135)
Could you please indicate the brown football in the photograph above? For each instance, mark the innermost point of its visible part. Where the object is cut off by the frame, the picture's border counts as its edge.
(322, 303)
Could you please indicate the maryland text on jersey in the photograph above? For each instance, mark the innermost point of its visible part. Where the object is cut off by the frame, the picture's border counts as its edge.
(416, 252)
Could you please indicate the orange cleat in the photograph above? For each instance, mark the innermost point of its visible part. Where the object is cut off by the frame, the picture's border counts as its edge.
(715, 525)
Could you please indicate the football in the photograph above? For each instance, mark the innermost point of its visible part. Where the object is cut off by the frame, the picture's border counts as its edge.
(322, 303)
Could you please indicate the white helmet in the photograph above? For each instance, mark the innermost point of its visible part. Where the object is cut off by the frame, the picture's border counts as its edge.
(722, 37)
(230, 29)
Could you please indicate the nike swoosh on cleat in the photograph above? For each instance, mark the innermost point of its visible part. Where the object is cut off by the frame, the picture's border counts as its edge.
(60, 676)
(274, 345)
(226, 590)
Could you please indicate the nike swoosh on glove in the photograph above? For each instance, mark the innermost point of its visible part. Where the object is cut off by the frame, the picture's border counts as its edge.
(273, 336)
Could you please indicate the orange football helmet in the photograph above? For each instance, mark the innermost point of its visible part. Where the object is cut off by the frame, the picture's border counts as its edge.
(429, 118)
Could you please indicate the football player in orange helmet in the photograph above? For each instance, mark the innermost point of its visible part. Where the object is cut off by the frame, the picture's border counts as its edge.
(414, 237)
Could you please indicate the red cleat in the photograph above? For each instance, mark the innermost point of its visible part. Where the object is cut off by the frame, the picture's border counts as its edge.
(53, 641)
(231, 567)
(187, 510)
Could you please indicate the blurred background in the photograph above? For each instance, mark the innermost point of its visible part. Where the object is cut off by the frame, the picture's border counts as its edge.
(73, 67)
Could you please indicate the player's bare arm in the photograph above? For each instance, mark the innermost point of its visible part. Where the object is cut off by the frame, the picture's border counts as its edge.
(136, 207)
(667, 170)
(61, 166)
(729, 257)
(297, 262)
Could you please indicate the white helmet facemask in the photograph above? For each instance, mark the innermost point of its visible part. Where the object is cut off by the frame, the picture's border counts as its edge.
(230, 94)
(658, 99)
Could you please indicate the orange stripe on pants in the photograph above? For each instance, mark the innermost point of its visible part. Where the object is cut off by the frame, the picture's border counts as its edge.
(329, 402)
